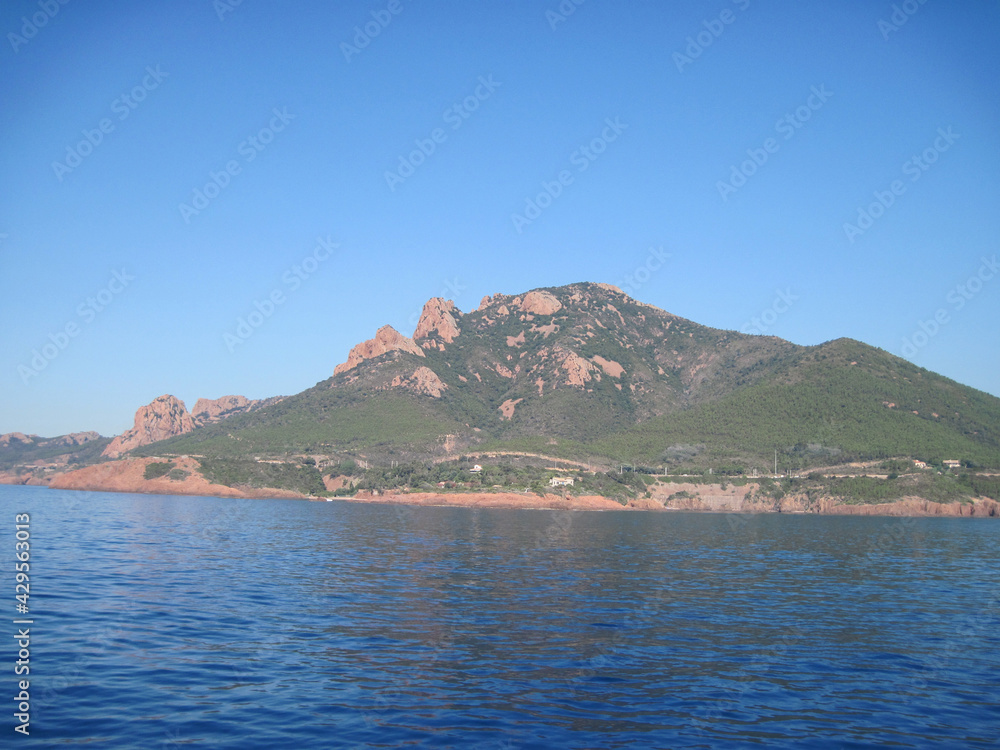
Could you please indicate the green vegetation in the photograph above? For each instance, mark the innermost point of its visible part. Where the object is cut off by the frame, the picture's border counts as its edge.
(682, 495)
(319, 420)
(168, 469)
(935, 487)
(457, 476)
(821, 413)
(236, 472)
(981, 485)
(816, 406)
(503, 476)
(157, 469)
(520, 474)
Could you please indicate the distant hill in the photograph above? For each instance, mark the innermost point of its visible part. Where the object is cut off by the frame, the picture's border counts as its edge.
(78, 448)
(585, 372)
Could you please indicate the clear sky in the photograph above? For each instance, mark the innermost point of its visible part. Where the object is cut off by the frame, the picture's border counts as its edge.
(167, 167)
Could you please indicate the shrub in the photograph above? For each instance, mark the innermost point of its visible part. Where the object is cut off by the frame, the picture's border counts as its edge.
(250, 473)
(157, 469)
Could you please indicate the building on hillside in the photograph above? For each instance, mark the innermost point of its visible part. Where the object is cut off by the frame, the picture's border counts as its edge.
(476, 469)
(919, 464)
(561, 482)
(951, 463)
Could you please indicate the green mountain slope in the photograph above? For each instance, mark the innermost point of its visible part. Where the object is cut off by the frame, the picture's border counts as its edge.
(584, 371)
(825, 410)
(319, 420)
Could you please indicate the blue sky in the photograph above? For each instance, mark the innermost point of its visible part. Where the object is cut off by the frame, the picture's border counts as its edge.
(291, 122)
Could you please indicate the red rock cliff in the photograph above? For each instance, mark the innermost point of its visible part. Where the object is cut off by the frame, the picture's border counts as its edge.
(164, 417)
(437, 321)
(386, 340)
(207, 410)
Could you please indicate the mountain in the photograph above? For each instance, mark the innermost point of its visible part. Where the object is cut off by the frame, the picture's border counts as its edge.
(163, 418)
(73, 439)
(36, 454)
(209, 411)
(167, 416)
(628, 398)
(586, 372)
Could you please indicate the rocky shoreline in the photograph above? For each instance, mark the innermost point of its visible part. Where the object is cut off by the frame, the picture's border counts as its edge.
(127, 475)
(911, 506)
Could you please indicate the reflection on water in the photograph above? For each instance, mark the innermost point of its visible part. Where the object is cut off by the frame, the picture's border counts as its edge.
(174, 621)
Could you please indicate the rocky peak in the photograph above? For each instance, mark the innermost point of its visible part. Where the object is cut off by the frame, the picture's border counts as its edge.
(208, 410)
(438, 324)
(610, 288)
(76, 438)
(387, 339)
(424, 380)
(162, 418)
(73, 438)
(16, 437)
(540, 303)
(497, 301)
(536, 302)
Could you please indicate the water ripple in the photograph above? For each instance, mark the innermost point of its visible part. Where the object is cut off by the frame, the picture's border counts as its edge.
(171, 621)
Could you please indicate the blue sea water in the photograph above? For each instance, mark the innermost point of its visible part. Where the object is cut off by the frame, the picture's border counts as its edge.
(192, 622)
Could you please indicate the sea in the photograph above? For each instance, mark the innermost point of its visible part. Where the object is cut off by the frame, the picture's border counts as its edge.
(198, 622)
